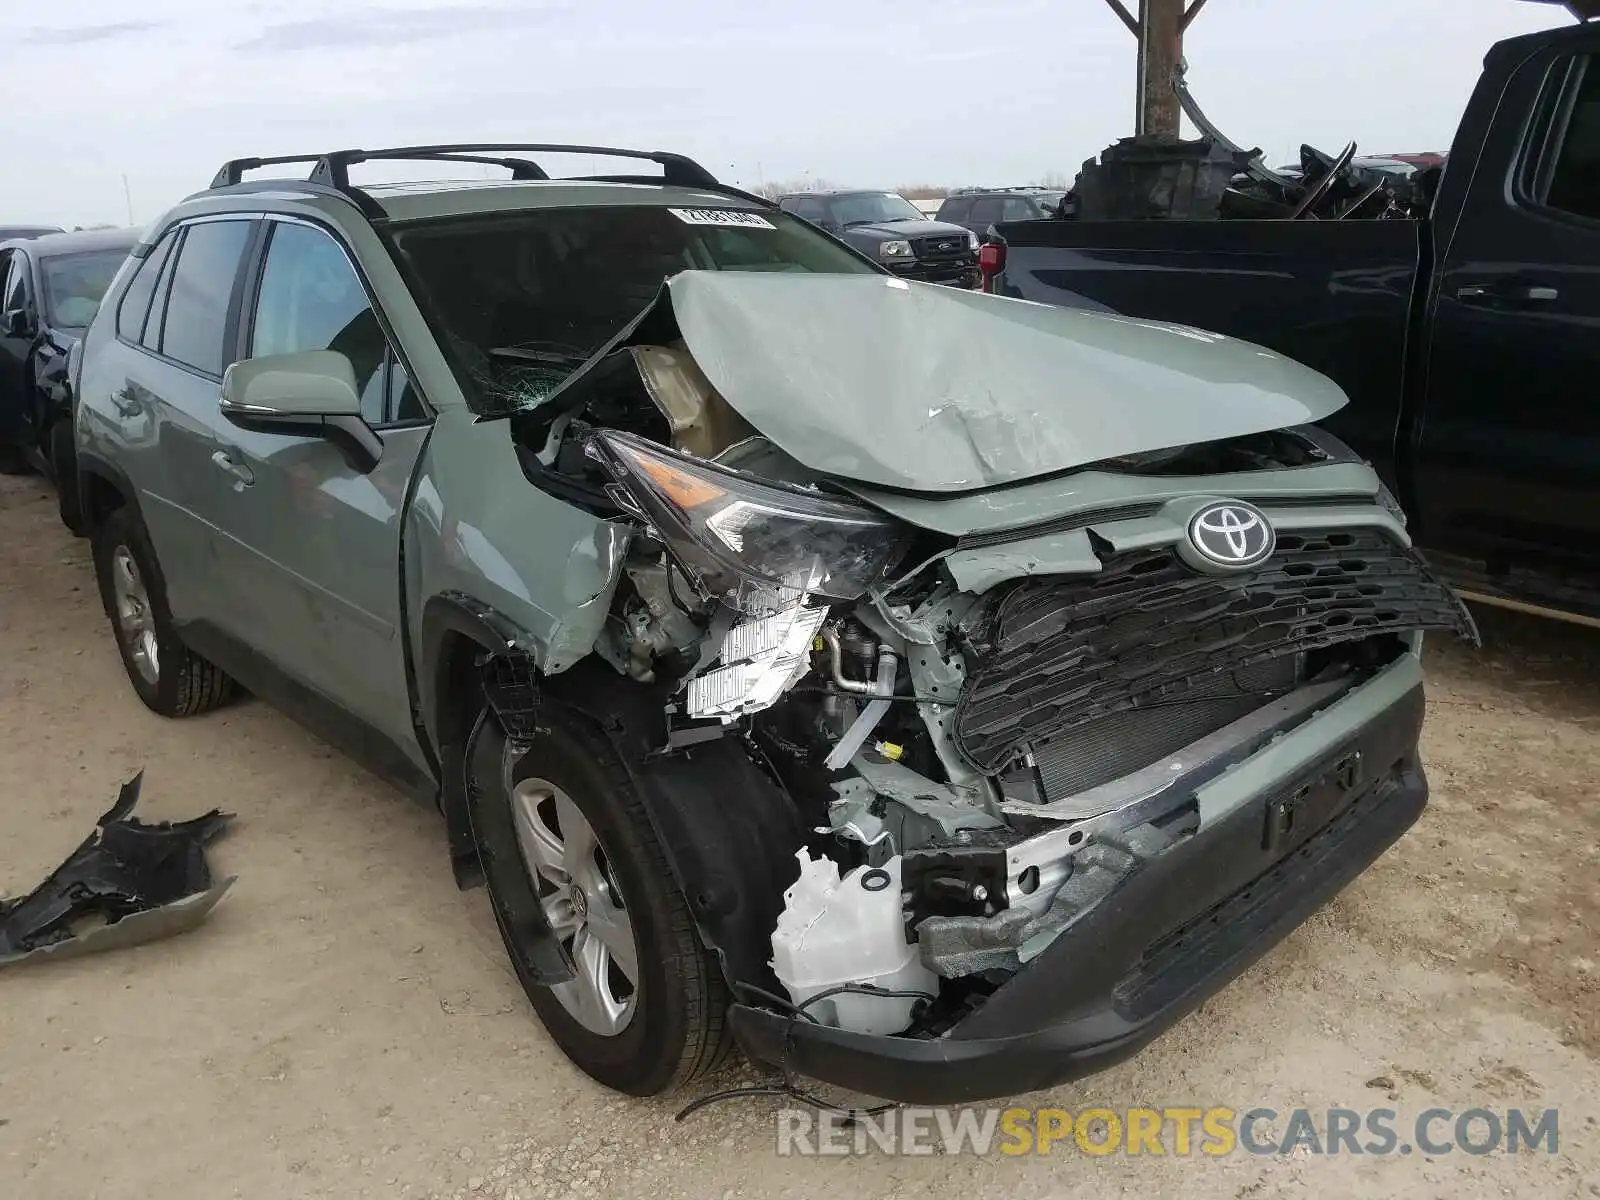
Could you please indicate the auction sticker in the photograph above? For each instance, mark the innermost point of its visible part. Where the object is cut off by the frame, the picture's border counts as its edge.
(721, 216)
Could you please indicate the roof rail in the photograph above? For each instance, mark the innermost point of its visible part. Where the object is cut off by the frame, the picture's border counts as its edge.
(1583, 10)
(332, 167)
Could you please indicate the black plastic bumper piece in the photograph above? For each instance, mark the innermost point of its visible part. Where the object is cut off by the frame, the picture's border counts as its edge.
(958, 273)
(1178, 929)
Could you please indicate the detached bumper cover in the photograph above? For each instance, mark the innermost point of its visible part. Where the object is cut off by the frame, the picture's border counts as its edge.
(142, 881)
(1188, 919)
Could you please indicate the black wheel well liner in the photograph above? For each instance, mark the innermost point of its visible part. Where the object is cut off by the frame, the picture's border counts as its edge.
(459, 635)
(104, 486)
(728, 828)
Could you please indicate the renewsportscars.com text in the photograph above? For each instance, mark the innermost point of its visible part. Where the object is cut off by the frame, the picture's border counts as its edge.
(1181, 1132)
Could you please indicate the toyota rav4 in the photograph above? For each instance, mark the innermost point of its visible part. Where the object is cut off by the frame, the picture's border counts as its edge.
(935, 693)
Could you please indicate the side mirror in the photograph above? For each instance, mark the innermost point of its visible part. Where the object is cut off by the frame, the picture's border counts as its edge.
(18, 324)
(311, 393)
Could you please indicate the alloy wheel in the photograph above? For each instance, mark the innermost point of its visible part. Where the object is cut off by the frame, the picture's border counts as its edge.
(580, 897)
(136, 623)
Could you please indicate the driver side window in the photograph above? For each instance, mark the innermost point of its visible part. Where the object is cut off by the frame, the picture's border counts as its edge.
(15, 294)
(311, 299)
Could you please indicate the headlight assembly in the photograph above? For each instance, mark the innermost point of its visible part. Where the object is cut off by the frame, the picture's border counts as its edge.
(894, 249)
(730, 531)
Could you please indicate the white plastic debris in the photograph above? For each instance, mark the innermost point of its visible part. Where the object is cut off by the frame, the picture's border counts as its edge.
(835, 931)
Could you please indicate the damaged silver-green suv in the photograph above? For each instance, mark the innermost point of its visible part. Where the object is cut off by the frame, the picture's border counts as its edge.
(934, 693)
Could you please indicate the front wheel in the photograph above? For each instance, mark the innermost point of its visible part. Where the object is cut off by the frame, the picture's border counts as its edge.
(562, 832)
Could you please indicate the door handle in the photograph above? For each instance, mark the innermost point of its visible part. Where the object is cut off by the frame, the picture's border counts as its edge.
(233, 467)
(1528, 293)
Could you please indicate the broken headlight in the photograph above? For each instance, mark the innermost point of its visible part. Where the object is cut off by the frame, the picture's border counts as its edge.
(730, 531)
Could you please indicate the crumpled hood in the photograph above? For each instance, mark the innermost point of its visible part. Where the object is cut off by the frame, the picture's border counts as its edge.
(924, 388)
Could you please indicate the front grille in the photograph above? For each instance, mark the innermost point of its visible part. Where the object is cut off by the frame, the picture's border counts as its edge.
(1057, 654)
(945, 245)
(1123, 742)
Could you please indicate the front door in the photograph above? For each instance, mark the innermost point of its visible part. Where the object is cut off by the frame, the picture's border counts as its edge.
(309, 542)
(1508, 456)
(16, 295)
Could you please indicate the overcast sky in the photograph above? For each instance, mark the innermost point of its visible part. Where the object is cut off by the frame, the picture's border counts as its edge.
(864, 92)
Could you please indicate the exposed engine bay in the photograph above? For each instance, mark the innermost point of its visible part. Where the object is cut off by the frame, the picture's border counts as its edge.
(981, 738)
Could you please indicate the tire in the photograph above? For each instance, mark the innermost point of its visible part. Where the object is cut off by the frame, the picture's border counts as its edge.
(170, 678)
(675, 1029)
(64, 465)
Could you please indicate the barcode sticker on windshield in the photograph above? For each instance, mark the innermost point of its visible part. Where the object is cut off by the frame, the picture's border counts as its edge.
(721, 216)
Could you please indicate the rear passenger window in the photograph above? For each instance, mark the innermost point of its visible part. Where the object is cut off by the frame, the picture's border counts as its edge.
(954, 210)
(135, 306)
(311, 299)
(1575, 181)
(202, 288)
(1016, 208)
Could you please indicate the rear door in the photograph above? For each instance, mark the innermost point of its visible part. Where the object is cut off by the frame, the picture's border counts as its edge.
(1508, 453)
(175, 321)
(309, 543)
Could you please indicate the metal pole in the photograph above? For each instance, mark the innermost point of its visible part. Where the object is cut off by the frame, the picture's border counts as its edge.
(1159, 29)
(1160, 49)
(127, 196)
(1141, 72)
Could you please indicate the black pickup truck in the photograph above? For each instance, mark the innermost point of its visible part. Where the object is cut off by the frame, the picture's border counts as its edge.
(1467, 341)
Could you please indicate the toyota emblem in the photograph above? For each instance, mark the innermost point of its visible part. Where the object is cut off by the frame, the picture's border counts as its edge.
(1230, 536)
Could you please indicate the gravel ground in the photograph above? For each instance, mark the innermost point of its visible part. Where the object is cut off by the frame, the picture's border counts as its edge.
(346, 1024)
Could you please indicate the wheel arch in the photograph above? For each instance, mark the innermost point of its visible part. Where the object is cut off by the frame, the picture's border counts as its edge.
(728, 828)
(103, 487)
(458, 636)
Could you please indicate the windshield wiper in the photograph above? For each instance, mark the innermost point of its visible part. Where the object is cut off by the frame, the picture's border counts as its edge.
(555, 352)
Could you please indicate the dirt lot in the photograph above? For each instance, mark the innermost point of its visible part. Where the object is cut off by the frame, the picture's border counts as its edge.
(346, 1025)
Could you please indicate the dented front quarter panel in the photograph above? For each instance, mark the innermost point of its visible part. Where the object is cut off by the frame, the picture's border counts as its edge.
(478, 531)
(1067, 553)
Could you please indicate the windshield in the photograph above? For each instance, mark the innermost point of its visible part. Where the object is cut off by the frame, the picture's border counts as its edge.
(868, 207)
(523, 298)
(74, 283)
